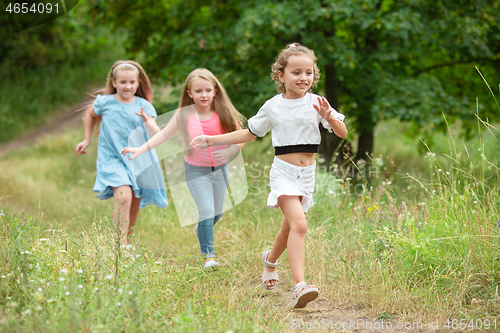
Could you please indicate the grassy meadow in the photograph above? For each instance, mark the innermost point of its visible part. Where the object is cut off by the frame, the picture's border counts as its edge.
(411, 237)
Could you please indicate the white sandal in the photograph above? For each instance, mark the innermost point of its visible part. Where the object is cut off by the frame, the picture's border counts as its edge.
(302, 294)
(268, 276)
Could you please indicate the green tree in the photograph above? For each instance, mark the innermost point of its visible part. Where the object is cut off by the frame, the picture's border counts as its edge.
(69, 39)
(50, 66)
(379, 58)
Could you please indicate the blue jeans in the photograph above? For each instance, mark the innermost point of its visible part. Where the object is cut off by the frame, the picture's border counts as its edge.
(208, 188)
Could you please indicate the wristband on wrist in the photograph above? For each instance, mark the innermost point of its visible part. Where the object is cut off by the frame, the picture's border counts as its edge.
(333, 119)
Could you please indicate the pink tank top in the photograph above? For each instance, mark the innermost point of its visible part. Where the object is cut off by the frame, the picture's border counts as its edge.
(204, 127)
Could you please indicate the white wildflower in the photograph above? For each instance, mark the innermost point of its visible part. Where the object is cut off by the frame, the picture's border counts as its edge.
(39, 297)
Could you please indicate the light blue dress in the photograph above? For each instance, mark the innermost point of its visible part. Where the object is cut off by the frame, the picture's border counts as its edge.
(121, 127)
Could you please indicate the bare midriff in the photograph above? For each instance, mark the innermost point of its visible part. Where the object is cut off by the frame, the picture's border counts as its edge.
(298, 159)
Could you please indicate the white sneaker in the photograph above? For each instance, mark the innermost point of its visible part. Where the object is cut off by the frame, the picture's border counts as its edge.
(211, 264)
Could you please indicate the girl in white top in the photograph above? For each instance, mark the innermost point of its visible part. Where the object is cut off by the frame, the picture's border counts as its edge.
(293, 116)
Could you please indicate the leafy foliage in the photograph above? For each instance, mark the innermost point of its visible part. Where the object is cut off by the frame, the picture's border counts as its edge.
(70, 39)
(380, 58)
(50, 67)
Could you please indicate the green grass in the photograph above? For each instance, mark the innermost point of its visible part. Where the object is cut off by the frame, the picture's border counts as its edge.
(71, 283)
(415, 239)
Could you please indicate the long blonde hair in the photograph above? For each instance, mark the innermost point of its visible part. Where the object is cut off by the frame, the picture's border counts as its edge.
(282, 60)
(230, 119)
(144, 90)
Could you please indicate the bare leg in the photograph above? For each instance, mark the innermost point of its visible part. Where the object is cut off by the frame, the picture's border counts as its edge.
(297, 226)
(134, 215)
(122, 197)
(279, 246)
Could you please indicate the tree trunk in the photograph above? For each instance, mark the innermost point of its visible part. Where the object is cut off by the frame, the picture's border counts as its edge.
(365, 100)
(365, 145)
(329, 142)
(331, 146)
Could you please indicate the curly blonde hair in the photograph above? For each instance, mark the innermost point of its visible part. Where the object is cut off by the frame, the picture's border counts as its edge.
(282, 60)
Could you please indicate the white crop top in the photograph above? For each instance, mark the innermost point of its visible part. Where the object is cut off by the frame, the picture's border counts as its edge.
(294, 123)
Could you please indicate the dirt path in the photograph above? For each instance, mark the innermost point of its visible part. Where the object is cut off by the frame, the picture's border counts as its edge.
(327, 315)
(324, 315)
(67, 119)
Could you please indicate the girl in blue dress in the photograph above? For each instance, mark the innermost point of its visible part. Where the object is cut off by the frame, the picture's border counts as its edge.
(126, 116)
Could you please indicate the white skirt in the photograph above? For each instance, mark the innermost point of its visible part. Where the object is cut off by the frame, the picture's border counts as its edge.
(289, 179)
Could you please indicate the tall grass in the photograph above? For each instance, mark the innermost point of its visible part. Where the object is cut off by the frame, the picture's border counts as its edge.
(57, 282)
(404, 244)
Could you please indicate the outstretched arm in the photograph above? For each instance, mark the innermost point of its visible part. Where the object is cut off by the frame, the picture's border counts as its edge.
(90, 120)
(236, 137)
(163, 136)
(224, 155)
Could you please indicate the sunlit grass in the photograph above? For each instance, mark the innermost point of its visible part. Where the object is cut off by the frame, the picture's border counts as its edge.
(417, 243)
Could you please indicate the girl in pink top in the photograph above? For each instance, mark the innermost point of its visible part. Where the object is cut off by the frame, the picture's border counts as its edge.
(197, 127)
(204, 109)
